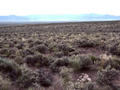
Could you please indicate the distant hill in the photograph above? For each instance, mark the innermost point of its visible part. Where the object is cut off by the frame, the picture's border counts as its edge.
(13, 18)
(55, 18)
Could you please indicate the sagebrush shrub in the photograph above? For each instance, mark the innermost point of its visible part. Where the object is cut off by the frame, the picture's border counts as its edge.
(27, 79)
(115, 49)
(105, 77)
(45, 79)
(80, 62)
(11, 68)
(58, 63)
(41, 48)
(37, 60)
(87, 43)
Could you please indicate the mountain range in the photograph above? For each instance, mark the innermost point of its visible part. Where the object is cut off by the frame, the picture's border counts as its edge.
(58, 18)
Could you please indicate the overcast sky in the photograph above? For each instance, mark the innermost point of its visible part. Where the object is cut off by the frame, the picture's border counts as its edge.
(28, 7)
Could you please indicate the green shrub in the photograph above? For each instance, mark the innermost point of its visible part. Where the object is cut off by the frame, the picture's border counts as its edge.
(94, 58)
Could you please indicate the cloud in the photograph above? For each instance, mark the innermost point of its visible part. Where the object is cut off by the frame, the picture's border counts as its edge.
(26, 7)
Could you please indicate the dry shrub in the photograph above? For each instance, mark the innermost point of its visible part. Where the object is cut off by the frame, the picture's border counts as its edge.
(109, 61)
(115, 49)
(65, 48)
(27, 79)
(87, 43)
(59, 54)
(58, 63)
(8, 52)
(26, 52)
(41, 48)
(80, 62)
(37, 60)
(33, 42)
(11, 68)
(45, 78)
(112, 63)
(19, 60)
(105, 77)
(20, 45)
(4, 51)
(5, 84)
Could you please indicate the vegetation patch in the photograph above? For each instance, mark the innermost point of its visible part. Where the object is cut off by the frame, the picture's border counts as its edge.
(9, 67)
(80, 62)
(67, 56)
(37, 60)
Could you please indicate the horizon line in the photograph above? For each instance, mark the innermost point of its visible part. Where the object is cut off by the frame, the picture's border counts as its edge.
(61, 14)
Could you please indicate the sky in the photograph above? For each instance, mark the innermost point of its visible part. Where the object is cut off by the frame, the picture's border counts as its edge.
(31, 7)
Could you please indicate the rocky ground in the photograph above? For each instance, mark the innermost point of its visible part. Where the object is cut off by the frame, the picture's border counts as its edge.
(61, 56)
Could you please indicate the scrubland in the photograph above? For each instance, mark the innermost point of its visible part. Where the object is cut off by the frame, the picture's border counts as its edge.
(61, 56)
